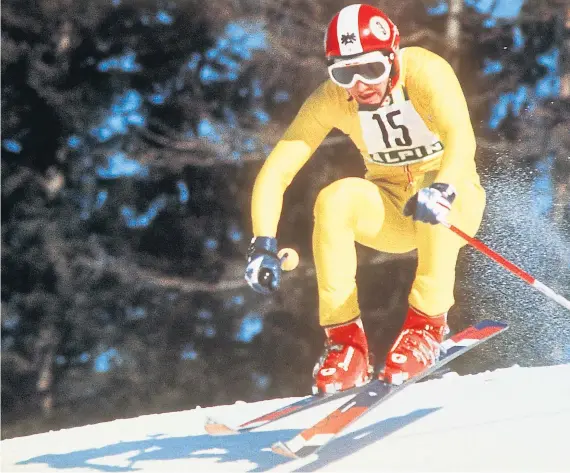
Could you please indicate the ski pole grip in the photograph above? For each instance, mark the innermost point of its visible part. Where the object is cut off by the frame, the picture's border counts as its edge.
(289, 259)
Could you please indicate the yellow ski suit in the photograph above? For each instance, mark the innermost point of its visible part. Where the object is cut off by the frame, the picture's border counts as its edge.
(420, 135)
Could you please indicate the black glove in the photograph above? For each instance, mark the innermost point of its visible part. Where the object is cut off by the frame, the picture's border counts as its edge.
(431, 204)
(263, 270)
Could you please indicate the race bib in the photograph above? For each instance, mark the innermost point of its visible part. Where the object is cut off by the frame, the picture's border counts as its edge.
(396, 135)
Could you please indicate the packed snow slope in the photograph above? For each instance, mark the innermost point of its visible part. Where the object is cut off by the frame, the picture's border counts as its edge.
(513, 419)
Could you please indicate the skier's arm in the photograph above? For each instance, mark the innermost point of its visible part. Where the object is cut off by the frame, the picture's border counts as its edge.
(438, 97)
(304, 135)
(281, 166)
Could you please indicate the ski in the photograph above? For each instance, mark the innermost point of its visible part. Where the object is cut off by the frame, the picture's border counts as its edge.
(215, 427)
(314, 438)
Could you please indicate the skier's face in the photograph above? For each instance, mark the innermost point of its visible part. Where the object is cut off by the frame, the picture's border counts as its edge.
(367, 94)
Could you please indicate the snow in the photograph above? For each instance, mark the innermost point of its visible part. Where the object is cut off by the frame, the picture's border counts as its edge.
(512, 419)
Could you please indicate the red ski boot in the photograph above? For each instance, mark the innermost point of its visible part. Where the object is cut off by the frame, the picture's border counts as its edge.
(416, 348)
(345, 362)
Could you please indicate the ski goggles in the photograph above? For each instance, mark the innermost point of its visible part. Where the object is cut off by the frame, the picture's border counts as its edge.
(371, 68)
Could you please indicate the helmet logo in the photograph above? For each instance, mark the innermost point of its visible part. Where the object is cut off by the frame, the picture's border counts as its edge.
(380, 28)
(348, 38)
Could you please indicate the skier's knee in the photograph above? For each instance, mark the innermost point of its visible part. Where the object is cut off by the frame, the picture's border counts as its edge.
(334, 203)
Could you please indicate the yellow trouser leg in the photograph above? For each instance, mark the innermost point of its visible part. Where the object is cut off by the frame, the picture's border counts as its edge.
(438, 248)
(346, 211)
(355, 209)
(432, 289)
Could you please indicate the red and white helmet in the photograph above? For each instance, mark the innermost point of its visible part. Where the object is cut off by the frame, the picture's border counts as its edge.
(358, 29)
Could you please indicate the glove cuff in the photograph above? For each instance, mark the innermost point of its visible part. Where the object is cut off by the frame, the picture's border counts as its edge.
(262, 244)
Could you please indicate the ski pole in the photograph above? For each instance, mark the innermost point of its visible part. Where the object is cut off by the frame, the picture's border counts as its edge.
(479, 245)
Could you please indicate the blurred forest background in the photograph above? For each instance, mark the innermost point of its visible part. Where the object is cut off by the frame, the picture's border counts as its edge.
(132, 132)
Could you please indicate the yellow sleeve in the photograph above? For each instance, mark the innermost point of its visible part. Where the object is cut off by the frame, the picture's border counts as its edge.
(437, 96)
(313, 122)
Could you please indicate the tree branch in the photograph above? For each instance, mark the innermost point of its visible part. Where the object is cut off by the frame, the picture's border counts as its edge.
(232, 278)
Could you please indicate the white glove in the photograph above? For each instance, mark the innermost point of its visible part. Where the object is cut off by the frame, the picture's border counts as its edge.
(431, 204)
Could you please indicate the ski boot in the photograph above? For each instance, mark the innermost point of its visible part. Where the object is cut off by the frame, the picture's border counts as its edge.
(416, 348)
(345, 362)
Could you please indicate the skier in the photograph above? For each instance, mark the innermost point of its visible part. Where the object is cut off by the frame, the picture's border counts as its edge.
(406, 113)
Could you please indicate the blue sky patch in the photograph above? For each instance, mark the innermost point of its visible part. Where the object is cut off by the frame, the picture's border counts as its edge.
(441, 8)
(12, 145)
(134, 220)
(105, 361)
(251, 325)
(119, 165)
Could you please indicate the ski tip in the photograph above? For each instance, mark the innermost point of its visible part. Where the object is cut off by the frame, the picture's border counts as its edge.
(280, 448)
(213, 427)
